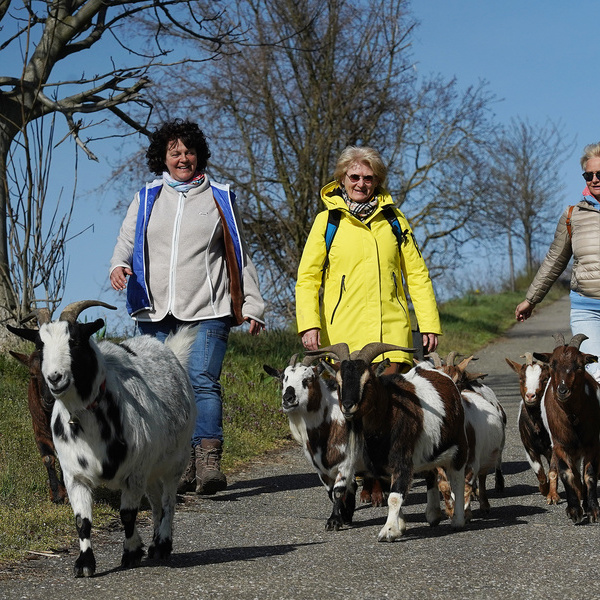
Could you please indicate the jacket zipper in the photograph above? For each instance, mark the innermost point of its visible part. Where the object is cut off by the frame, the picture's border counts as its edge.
(342, 290)
(396, 290)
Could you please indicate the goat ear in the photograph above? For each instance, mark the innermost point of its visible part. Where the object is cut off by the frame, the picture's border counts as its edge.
(328, 367)
(89, 329)
(542, 356)
(590, 358)
(273, 372)
(22, 358)
(382, 366)
(30, 335)
(515, 366)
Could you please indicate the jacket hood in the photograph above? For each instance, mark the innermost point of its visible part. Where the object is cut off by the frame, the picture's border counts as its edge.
(332, 197)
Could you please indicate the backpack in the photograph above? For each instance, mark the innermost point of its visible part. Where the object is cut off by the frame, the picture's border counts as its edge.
(333, 222)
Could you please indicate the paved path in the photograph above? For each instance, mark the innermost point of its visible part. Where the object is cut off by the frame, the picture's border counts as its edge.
(264, 537)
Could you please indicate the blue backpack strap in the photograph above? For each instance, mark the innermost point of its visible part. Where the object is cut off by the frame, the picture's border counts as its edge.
(401, 236)
(333, 222)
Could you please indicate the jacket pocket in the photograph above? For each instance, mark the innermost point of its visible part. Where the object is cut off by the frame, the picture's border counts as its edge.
(395, 278)
(342, 290)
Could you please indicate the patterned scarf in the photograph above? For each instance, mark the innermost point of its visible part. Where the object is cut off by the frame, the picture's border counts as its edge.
(183, 186)
(360, 210)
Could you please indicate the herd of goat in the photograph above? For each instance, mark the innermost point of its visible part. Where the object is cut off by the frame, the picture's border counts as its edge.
(121, 416)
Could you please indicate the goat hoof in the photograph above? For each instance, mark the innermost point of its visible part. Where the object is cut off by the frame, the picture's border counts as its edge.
(333, 525)
(132, 558)
(575, 514)
(85, 565)
(160, 550)
(552, 498)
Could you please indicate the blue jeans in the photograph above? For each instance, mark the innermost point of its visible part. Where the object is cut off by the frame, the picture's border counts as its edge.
(587, 322)
(204, 368)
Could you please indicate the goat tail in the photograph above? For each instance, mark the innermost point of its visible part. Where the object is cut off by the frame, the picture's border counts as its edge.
(181, 343)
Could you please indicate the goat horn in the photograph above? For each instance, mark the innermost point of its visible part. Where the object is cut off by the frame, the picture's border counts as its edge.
(73, 310)
(374, 349)
(293, 360)
(577, 339)
(462, 366)
(528, 356)
(451, 358)
(559, 338)
(437, 361)
(307, 361)
(340, 351)
(42, 316)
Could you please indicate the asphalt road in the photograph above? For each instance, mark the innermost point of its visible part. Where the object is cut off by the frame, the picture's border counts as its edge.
(264, 537)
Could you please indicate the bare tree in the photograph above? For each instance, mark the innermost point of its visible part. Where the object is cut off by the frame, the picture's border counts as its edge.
(311, 78)
(42, 44)
(526, 189)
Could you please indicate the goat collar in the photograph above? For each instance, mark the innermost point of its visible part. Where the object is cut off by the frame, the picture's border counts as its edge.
(94, 404)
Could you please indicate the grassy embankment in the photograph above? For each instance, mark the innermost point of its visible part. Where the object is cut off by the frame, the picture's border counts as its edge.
(253, 424)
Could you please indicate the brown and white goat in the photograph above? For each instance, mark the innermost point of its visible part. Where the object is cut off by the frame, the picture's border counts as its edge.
(571, 412)
(533, 381)
(310, 401)
(40, 403)
(404, 424)
(485, 426)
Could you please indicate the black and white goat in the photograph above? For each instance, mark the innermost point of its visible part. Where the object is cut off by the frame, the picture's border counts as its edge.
(123, 418)
(317, 424)
(534, 378)
(405, 424)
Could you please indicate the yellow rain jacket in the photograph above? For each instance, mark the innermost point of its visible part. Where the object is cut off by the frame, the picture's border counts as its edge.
(363, 298)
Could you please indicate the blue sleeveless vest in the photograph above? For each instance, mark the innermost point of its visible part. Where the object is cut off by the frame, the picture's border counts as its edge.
(138, 298)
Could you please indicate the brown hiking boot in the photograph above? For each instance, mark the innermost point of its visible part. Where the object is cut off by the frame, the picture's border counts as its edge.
(209, 479)
(187, 483)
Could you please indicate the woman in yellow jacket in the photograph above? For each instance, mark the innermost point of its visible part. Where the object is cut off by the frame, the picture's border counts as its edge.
(362, 275)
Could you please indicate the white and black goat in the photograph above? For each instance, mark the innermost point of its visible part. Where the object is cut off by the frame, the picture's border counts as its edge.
(533, 381)
(123, 418)
(571, 413)
(310, 401)
(404, 424)
(316, 423)
(485, 426)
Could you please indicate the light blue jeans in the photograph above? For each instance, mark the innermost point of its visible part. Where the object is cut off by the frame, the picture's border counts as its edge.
(588, 322)
(204, 368)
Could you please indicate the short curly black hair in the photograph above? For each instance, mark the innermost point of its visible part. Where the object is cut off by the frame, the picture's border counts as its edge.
(171, 131)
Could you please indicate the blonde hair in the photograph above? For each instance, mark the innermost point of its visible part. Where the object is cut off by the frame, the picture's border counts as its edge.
(365, 155)
(590, 151)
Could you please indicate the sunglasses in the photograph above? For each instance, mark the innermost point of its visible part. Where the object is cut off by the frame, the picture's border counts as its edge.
(589, 175)
(356, 178)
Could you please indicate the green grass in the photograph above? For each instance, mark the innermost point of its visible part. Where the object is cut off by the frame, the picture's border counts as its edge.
(253, 420)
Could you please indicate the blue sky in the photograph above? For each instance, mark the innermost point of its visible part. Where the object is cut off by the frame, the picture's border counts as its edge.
(536, 57)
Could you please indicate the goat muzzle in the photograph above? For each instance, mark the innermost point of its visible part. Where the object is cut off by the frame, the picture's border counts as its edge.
(563, 393)
(289, 401)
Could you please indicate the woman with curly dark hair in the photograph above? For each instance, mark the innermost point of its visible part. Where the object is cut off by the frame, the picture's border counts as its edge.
(182, 257)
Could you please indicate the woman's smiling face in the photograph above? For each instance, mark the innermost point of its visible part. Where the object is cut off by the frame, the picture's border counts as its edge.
(181, 161)
(364, 184)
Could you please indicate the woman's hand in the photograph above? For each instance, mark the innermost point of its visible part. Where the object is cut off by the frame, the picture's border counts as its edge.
(524, 310)
(118, 278)
(255, 326)
(311, 339)
(430, 342)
